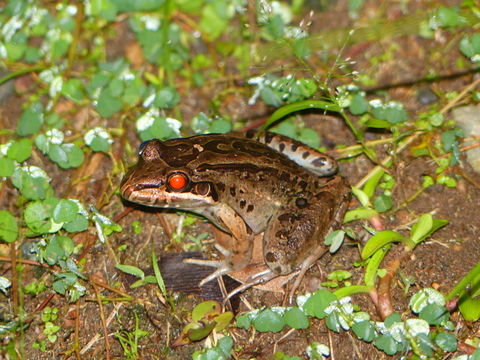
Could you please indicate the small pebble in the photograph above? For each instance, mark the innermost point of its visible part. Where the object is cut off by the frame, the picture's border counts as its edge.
(426, 96)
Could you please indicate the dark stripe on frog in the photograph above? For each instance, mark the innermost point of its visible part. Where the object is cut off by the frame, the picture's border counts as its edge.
(176, 156)
(249, 168)
(319, 161)
(252, 148)
(269, 137)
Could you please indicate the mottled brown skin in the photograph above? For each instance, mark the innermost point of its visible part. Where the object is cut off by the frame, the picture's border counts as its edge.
(246, 187)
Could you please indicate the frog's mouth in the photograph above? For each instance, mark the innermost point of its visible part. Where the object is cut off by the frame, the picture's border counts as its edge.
(156, 195)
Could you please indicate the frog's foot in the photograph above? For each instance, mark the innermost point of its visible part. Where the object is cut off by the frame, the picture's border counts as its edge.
(307, 263)
(222, 267)
(256, 279)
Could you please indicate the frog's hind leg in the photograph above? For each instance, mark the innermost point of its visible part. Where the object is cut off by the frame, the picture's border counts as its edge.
(294, 238)
(241, 247)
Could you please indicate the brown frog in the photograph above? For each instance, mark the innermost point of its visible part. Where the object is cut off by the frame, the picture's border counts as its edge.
(246, 185)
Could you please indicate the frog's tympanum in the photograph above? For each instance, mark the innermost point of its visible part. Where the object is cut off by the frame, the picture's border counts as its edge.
(246, 186)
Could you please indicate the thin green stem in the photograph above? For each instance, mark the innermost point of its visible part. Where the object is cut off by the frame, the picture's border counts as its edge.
(18, 73)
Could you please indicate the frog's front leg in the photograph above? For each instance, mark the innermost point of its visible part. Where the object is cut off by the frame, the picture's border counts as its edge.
(237, 253)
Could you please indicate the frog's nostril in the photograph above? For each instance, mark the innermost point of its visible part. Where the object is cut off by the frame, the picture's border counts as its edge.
(270, 257)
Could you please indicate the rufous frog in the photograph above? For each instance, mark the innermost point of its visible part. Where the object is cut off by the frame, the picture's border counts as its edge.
(246, 185)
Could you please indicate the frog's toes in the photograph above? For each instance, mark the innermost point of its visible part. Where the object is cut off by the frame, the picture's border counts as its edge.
(226, 253)
(222, 268)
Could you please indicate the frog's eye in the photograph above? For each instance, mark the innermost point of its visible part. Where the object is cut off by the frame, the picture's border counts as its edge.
(177, 182)
(141, 147)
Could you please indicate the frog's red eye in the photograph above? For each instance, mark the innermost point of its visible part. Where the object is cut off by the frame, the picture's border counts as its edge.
(177, 181)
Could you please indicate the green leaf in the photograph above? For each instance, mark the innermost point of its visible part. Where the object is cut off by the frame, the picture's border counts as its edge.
(20, 150)
(66, 155)
(396, 114)
(378, 124)
(335, 240)
(75, 155)
(386, 344)
(18, 7)
(205, 309)
(65, 211)
(98, 139)
(339, 275)
(470, 47)
(309, 137)
(371, 271)
(271, 97)
(166, 98)
(296, 318)
(301, 48)
(426, 345)
(7, 166)
(449, 139)
(16, 47)
(38, 217)
(107, 104)
(358, 104)
(223, 320)
(383, 203)
(298, 106)
(425, 227)
(364, 330)
(31, 120)
(470, 308)
(72, 89)
(392, 319)
(32, 182)
(434, 314)
(425, 297)
(318, 302)
(132, 270)
(361, 196)
(421, 228)
(379, 240)
(8, 226)
(59, 47)
(268, 320)
(243, 321)
(449, 17)
(220, 125)
(163, 128)
(78, 224)
(158, 275)
(64, 282)
(214, 19)
(333, 322)
(58, 248)
(199, 331)
(358, 214)
(134, 91)
(446, 341)
(225, 344)
(275, 27)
